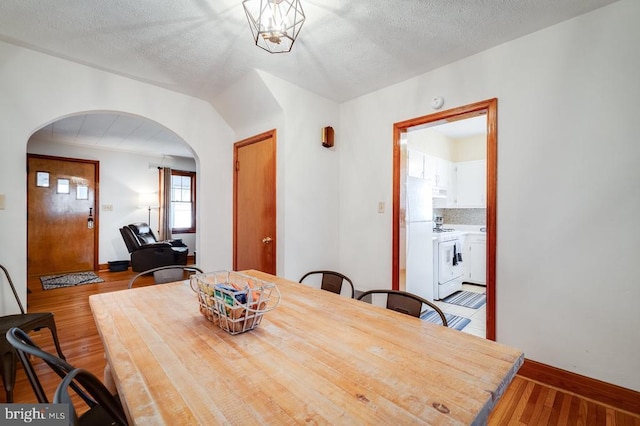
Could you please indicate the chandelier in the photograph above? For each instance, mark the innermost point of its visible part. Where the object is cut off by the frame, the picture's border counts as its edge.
(275, 24)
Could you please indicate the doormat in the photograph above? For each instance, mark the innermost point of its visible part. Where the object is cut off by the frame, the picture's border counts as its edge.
(69, 280)
(468, 299)
(453, 321)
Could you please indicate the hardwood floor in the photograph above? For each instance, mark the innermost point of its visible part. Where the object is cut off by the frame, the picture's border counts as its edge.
(525, 402)
(77, 333)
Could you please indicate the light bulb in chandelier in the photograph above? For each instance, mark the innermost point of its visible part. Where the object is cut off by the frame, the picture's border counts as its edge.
(273, 37)
(275, 24)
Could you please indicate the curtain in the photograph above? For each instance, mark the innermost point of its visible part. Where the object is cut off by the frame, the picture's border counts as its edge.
(164, 224)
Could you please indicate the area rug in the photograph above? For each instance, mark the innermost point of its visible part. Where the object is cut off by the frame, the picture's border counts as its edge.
(69, 280)
(453, 321)
(467, 299)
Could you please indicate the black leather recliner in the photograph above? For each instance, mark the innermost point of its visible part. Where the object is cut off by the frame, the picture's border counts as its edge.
(147, 252)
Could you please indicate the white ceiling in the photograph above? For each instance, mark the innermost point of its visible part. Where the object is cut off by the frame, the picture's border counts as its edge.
(116, 132)
(345, 48)
(463, 128)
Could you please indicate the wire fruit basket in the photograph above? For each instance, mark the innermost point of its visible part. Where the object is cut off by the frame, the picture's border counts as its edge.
(234, 301)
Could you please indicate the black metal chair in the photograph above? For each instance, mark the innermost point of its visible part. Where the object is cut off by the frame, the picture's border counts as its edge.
(167, 274)
(406, 303)
(99, 412)
(98, 392)
(331, 281)
(32, 321)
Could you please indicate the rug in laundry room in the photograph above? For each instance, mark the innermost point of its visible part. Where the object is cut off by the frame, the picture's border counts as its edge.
(468, 299)
(69, 280)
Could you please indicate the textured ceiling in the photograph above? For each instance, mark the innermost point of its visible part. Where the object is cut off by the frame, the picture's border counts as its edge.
(345, 49)
(116, 132)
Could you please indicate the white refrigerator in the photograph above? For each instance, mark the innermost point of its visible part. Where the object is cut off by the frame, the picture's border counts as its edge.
(419, 238)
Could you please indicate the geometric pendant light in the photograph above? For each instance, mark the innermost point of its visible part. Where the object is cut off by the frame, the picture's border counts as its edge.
(275, 24)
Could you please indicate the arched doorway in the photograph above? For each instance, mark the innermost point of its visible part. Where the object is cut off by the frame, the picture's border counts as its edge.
(128, 149)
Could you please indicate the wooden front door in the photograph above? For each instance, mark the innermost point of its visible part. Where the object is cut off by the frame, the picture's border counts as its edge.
(254, 207)
(61, 194)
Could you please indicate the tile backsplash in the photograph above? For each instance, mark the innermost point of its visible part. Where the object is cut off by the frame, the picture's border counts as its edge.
(463, 216)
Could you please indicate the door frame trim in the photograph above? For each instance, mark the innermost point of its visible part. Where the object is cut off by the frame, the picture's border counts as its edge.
(490, 107)
(96, 200)
(244, 142)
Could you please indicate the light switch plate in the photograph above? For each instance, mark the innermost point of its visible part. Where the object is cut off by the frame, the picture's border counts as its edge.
(2, 200)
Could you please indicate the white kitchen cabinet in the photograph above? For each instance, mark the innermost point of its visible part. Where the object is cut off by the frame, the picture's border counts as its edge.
(475, 259)
(415, 163)
(430, 169)
(442, 173)
(452, 192)
(436, 171)
(471, 184)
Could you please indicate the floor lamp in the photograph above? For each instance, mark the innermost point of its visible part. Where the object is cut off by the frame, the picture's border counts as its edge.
(148, 201)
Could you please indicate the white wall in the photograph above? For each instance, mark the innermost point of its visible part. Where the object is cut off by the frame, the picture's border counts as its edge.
(307, 174)
(250, 109)
(432, 143)
(123, 176)
(309, 180)
(38, 89)
(568, 175)
(470, 148)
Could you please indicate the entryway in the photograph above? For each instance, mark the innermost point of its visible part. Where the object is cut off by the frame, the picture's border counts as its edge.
(62, 220)
(486, 108)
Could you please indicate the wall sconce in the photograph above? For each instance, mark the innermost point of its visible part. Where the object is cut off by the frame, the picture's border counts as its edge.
(327, 137)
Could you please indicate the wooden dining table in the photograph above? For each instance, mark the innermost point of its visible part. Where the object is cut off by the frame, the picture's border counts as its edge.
(317, 358)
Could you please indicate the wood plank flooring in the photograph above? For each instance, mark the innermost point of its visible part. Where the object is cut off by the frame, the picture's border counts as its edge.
(525, 402)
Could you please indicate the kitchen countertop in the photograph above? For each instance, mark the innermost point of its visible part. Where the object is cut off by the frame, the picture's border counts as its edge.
(461, 230)
(467, 229)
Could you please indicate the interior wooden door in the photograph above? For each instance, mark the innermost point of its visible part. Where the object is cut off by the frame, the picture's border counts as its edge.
(255, 203)
(61, 194)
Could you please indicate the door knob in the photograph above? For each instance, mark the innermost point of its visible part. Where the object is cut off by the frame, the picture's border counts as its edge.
(266, 240)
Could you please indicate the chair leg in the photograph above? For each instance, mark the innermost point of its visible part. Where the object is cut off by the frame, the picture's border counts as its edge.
(51, 325)
(9, 373)
(54, 334)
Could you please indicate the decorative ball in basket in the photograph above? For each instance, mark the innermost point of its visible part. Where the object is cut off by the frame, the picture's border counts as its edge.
(234, 301)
